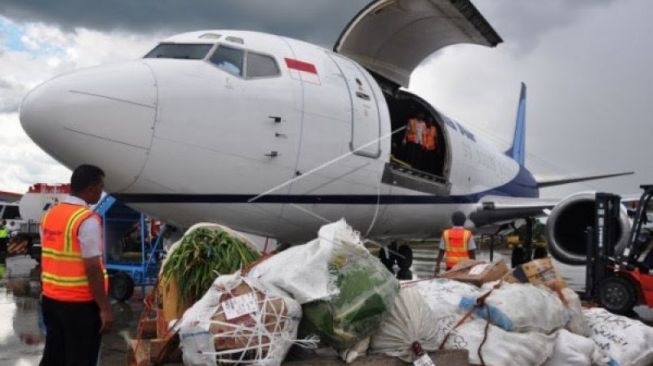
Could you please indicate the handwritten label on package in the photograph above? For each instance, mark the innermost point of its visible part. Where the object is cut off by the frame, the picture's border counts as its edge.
(240, 305)
(425, 360)
(478, 269)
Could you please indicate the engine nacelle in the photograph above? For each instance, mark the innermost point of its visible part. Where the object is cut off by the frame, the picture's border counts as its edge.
(567, 223)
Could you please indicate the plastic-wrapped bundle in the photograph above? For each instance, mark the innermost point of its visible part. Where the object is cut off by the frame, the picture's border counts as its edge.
(238, 320)
(343, 289)
(366, 292)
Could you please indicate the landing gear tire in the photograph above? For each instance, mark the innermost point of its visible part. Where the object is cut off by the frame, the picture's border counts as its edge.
(121, 286)
(617, 295)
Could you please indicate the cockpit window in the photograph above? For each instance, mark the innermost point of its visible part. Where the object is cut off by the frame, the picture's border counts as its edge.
(229, 59)
(180, 51)
(259, 66)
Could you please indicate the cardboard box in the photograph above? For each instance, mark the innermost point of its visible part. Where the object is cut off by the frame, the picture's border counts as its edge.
(477, 272)
(236, 333)
(169, 298)
(537, 272)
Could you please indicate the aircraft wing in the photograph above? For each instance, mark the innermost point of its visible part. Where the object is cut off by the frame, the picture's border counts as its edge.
(392, 37)
(498, 210)
(542, 183)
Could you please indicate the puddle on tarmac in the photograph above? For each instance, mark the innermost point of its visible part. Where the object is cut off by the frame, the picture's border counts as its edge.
(22, 332)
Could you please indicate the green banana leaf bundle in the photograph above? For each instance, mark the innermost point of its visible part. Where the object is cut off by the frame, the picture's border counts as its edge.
(367, 293)
(202, 256)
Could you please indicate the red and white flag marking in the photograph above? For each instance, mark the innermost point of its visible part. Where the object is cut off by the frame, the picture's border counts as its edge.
(300, 70)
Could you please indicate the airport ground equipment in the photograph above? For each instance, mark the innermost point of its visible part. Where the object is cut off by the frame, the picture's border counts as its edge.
(132, 252)
(620, 279)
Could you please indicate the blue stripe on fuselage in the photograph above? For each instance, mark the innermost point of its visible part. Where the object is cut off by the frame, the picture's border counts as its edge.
(523, 186)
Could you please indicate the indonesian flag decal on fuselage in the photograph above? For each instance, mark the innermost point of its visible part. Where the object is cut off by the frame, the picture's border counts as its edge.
(304, 71)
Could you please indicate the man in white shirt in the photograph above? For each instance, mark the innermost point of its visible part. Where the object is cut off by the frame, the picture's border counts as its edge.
(75, 305)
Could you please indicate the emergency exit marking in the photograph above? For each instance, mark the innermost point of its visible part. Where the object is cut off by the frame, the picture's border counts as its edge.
(239, 306)
(425, 360)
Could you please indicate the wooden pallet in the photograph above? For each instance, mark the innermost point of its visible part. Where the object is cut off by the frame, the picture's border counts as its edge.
(148, 350)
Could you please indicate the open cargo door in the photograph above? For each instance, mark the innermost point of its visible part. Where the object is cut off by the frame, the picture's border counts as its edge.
(392, 37)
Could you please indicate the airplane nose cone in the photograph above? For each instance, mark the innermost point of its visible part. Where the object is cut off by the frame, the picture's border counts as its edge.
(103, 116)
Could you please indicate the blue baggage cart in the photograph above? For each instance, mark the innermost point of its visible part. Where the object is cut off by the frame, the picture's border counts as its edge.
(132, 253)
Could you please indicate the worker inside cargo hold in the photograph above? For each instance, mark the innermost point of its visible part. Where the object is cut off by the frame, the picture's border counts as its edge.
(413, 140)
(418, 148)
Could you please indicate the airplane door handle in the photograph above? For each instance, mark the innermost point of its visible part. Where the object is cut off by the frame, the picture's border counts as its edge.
(277, 134)
(275, 119)
(362, 95)
(272, 154)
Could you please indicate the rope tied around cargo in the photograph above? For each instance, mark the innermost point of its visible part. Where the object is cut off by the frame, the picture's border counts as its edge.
(479, 304)
(239, 323)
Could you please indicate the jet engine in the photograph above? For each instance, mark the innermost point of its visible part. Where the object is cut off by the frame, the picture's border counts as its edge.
(568, 221)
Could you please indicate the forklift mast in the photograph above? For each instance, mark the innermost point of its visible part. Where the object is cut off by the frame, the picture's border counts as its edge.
(629, 256)
(601, 240)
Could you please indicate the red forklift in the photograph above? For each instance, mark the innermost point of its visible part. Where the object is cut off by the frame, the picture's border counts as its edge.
(620, 278)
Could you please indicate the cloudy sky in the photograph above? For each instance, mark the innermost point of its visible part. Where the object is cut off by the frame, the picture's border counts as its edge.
(586, 64)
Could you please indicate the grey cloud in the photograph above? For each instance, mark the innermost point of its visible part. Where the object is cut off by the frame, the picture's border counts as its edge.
(10, 96)
(523, 24)
(320, 20)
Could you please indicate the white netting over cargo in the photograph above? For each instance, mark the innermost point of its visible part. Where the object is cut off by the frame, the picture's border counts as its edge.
(239, 321)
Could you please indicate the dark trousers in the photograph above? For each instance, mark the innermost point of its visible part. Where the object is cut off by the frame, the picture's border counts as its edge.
(413, 155)
(3, 245)
(72, 333)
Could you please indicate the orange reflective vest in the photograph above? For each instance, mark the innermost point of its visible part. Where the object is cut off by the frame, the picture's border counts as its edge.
(411, 131)
(63, 274)
(429, 137)
(456, 243)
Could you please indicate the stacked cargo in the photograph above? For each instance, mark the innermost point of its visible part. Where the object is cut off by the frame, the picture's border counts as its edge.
(223, 304)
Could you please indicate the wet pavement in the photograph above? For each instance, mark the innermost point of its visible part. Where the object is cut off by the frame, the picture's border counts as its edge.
(22, 332)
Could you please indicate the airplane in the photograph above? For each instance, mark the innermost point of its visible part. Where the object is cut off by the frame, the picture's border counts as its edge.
(276, 137)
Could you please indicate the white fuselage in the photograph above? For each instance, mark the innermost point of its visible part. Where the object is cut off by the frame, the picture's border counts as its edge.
(192, 142)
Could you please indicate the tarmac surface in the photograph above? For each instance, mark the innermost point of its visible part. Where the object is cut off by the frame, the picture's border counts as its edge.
(22, 332)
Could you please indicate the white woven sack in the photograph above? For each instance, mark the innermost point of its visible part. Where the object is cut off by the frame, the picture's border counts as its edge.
(626, 340)
(410, 320)
(501, 348)
(443, 295)
(574, 350)
(577, 323)
(523, 307)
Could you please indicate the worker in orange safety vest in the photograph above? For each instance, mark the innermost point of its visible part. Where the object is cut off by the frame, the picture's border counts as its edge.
(429, 146)
(75, 305)
(457, 242)
(413, 140)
